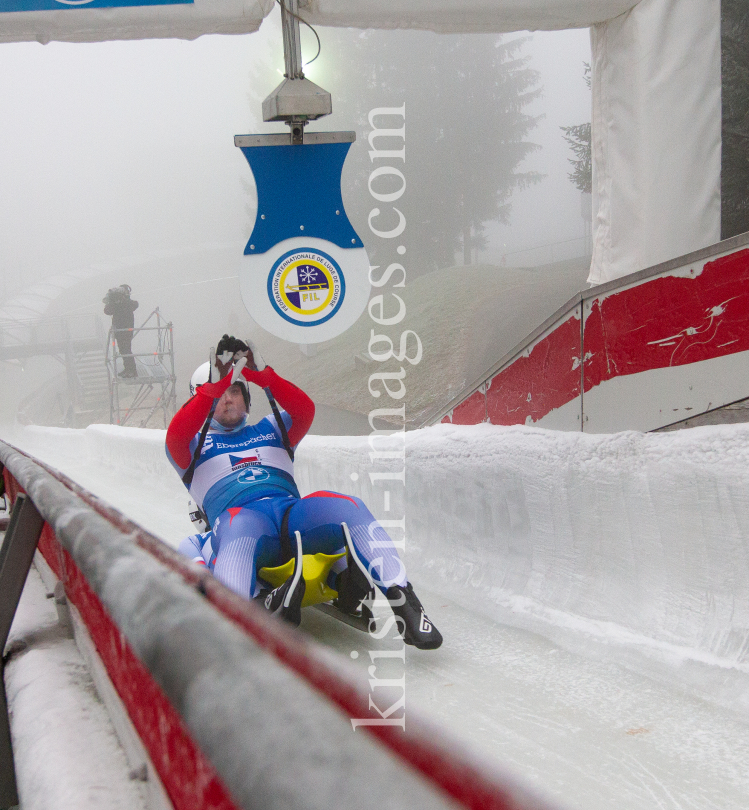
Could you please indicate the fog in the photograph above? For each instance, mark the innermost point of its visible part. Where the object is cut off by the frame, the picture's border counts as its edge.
(118, 166)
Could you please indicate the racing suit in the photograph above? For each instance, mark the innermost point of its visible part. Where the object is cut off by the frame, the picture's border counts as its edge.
(244, 482)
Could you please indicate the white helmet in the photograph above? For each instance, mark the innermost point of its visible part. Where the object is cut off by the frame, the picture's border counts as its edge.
(203, 374)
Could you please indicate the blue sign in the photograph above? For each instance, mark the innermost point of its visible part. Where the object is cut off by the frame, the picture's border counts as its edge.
(299, 191)
(50, 5)
(305, 273)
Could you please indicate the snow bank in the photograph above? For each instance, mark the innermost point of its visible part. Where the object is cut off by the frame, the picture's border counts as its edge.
(638, 541)
(127, 467)
(138, 451)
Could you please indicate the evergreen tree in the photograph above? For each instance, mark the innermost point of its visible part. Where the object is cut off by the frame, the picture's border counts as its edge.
(578, 138)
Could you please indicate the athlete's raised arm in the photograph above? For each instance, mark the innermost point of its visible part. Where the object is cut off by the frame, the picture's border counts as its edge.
(190, 418)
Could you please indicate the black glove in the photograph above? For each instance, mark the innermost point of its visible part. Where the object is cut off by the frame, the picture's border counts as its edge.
(229, 351)
(229, 343)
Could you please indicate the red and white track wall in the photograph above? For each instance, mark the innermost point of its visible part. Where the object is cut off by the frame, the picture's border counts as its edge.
(639, 353)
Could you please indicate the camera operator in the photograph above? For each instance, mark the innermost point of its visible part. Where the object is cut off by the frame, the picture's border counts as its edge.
(118, 304)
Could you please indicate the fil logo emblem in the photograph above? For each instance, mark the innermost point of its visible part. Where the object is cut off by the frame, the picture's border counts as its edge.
(306, 287)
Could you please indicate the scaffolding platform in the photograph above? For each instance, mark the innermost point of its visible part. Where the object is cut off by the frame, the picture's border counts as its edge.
(151, 394)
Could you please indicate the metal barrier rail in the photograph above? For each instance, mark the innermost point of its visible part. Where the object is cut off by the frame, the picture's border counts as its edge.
(235, 709)
(572, 317)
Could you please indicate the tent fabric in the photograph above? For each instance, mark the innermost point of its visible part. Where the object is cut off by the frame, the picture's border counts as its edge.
(656, 135)
(656, 118)
(182, 21)
(77, 23)
(463, 16)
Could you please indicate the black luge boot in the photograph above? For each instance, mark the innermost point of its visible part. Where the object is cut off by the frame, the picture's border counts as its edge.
(355, 592)
(353, 588)
(417, 629)
(286, 599)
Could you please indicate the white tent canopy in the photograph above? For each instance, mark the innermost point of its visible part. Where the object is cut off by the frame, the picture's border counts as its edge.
(656, 118)
(463, 16)
(656, 135)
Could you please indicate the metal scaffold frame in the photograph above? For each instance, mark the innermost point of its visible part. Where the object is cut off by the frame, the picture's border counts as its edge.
(153, 389)
(76, 341)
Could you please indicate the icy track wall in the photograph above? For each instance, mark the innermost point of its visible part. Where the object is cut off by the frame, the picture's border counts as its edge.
(639, 541)
(631, 544)
(224, 698)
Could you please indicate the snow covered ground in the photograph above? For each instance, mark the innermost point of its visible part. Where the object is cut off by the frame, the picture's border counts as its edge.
(67, 756)
(593, 592)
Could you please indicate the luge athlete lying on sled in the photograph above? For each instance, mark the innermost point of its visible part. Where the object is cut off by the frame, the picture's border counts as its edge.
(243, 479)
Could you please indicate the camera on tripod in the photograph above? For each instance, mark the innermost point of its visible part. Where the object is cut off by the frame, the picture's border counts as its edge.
(117, 295)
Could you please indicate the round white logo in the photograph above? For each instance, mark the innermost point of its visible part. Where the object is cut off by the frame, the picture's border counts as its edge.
(252, 475)
(306, 286)
(305, 290)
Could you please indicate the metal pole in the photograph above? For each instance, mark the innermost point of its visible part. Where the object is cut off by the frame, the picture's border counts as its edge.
(173, 377)
(70, 373)
(8, 788)
(16, 555)
(296, 100)
(292, 45)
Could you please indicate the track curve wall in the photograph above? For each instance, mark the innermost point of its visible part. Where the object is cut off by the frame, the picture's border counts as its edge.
(633, 542)
(630, 544)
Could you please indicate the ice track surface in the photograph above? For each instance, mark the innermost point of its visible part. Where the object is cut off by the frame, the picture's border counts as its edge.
(592, 592)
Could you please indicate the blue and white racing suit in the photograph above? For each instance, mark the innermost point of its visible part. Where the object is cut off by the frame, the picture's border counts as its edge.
(244, 482)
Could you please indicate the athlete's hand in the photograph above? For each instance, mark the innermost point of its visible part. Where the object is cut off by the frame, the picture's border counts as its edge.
(223, 364)
(229, 343)
(229, 350)
(255, 360)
